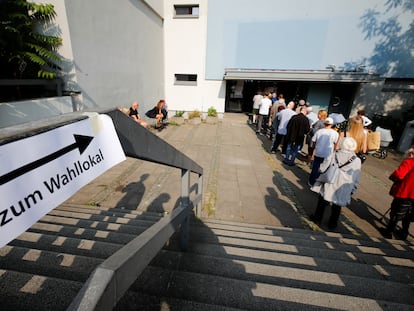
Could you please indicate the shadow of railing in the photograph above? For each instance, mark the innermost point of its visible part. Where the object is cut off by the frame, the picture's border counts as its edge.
(111, 279)
(115, 275)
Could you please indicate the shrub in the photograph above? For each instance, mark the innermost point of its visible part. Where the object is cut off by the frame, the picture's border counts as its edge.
(194, 114)
(212, 112)
(179, 113)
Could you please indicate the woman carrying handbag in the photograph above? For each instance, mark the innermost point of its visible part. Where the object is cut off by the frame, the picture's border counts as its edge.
(337, 193)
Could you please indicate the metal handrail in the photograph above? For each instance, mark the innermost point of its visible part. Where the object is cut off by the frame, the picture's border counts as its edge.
(110, 280)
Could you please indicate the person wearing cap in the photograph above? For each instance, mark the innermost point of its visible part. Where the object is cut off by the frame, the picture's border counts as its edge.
(324, 142)
(338, 192)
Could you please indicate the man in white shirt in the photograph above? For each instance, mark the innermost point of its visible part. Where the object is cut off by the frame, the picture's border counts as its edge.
(324, 141)
(283, 119)
(264, 111)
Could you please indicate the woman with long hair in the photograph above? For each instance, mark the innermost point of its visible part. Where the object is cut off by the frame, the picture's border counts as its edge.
(356, 131)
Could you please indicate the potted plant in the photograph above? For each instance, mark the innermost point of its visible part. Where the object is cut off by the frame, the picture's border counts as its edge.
(194, 117)
(178, 118)
(211, 115)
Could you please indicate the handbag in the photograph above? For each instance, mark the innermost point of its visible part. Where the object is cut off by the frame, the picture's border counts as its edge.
(361, 156)
(331, 173)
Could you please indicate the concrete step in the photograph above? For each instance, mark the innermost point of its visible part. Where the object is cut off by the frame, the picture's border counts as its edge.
(308, 262)
(130, 228)
(82, 233)
(57, 243)
(133, 301)
(375, 286)
(250, 295)
(34, 292)
(268, 232)
(52, 264)
(117, 212)
(101, 218)
(294, 246)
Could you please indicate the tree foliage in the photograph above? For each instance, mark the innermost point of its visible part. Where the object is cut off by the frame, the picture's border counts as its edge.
(25, 52)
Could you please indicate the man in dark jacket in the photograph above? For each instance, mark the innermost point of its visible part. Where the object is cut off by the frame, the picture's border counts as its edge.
(297, 128)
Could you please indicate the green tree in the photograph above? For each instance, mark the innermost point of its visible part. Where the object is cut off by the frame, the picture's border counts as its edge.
(24, 51)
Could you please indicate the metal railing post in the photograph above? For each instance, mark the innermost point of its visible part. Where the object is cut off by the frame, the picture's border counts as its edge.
(185, 202)
(199, 191)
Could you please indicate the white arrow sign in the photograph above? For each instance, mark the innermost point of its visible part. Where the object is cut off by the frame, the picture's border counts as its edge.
(40, 172)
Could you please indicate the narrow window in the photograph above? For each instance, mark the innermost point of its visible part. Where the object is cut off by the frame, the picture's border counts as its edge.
(184, 11)
(185, 79)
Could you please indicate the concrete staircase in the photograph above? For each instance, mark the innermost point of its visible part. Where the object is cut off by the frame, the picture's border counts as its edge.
(232, 266)
(229, 266)
(44, 268)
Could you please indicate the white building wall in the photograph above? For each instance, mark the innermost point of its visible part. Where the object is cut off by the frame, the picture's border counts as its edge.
(185, 53)
(114, 51)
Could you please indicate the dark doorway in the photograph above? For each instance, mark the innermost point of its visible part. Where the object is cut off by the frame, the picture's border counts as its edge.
(239, 93)
(343, 95)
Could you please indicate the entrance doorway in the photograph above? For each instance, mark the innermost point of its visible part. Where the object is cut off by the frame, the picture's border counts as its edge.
(335, 97)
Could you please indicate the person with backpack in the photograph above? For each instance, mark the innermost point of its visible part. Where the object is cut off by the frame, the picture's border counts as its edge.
(337, 192)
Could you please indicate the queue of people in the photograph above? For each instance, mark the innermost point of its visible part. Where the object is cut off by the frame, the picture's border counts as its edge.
(338, 153)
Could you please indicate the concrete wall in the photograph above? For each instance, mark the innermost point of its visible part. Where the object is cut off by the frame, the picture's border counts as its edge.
(117, 48)
(185, 47)
(310, 35)
(375, 98)
(30, 110)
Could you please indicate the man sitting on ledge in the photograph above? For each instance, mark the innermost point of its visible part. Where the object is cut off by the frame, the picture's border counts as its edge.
(133, 113)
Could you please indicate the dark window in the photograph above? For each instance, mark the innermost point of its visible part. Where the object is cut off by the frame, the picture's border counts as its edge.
(185, 79)
(186, 10)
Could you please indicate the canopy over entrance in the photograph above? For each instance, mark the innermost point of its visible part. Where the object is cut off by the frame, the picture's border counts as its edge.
(299, 75)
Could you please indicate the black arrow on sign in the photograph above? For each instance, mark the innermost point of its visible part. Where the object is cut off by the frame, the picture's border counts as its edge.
(81, 143)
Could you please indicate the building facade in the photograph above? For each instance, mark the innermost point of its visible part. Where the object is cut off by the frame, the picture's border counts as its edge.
(339, 55)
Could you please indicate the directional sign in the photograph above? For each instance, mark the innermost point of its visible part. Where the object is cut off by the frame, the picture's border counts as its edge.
(40, 172)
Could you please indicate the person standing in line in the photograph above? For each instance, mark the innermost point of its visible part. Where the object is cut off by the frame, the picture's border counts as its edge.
(281, 100)
(283, 119)
(357, 132)
(257, 100)
(264, 109)
(276, 108)
(339, 192)
(274, 98)
(324, 141)
(297, 128)
(299, 106)
(318, 125)
(402, 206)
(365, 120)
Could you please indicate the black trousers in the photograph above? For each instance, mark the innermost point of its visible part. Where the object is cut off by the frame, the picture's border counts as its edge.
(401, 210)
(279, 139)
(320, 209)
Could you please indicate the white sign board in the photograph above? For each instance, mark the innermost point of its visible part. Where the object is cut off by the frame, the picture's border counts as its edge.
(40, 172)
